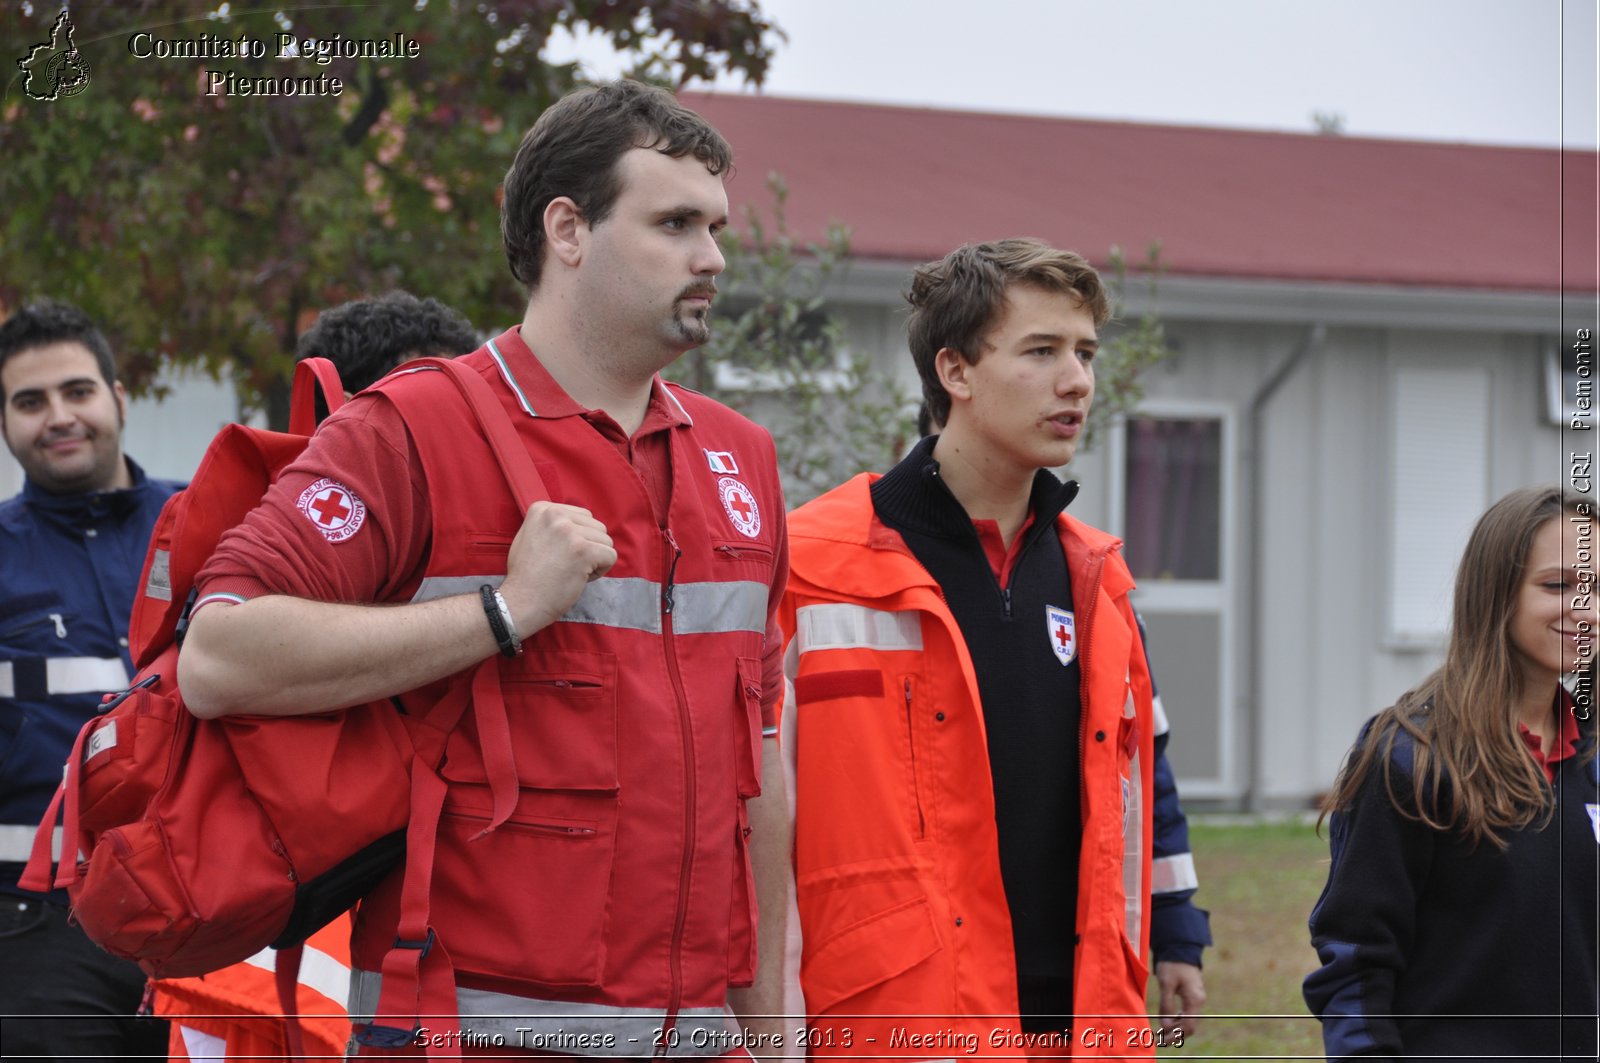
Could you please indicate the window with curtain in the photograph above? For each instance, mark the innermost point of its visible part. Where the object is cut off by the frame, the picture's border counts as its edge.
(1174, 498)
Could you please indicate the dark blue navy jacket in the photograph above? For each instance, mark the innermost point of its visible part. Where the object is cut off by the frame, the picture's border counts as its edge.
(1431, 947)
(1179, 931)
(69, 565)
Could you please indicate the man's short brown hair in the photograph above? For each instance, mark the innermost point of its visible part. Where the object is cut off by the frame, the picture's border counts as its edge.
(956, 300)
(573, 148)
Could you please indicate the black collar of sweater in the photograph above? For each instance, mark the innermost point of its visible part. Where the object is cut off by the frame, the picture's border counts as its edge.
(913, 497)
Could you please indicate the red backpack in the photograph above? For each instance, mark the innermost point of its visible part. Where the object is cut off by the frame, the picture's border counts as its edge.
(192, 844)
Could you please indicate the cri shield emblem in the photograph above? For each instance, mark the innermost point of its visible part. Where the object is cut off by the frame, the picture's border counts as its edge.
(1062, 629)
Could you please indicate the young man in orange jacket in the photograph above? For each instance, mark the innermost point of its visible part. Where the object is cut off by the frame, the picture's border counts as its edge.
(972, 744)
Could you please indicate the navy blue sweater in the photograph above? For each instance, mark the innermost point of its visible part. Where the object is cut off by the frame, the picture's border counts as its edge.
(1432, 947)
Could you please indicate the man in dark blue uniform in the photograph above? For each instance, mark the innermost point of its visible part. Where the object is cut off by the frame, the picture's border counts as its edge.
(72, 546)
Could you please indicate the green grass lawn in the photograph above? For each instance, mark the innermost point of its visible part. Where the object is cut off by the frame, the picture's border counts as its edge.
(1259, 882)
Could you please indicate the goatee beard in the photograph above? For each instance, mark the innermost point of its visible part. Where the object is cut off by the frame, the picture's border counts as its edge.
(693, 329)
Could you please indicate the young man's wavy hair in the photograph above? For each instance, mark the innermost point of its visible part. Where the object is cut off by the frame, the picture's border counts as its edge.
(573, 148)
(1471, 771)
(955, 301)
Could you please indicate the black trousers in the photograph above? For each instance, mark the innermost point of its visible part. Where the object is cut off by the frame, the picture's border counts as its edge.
(62, 996)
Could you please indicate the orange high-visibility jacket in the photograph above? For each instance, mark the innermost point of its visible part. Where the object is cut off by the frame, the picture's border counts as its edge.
(238, 1005)
(907, 936)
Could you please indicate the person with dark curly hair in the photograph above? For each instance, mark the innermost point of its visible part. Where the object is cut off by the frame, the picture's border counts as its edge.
(1459, 918)
(366, 338)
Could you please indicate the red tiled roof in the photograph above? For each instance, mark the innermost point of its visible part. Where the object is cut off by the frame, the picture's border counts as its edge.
(913, 183)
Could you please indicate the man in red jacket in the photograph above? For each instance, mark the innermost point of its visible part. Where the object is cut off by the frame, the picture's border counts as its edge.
(972, 707)
(609, 907)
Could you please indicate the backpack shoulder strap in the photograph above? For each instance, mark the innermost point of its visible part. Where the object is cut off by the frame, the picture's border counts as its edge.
(494, 424)
(310, 375)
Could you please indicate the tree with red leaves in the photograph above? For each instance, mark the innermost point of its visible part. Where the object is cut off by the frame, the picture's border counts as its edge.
(206, 226)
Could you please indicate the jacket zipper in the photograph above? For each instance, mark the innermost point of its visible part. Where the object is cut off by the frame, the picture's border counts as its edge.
(911, 744)
(1033, 536)
(556, 828)
(686, 864)
(736, 553)
(58, 619)
(1099, 566)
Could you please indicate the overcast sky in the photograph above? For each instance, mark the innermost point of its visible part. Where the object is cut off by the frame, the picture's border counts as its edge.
(1483, 71)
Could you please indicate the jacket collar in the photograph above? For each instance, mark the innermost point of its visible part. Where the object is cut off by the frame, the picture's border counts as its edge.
(540, 396)
(87, 505)
(914, 496)
(822, 531)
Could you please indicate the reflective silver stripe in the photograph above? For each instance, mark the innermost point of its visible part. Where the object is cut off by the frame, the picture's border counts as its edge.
(1133, 838)
(1162, 726)
(1171, 874)
(511, 381)
(626, 602)
(85, 675)
(318, 971)
(449, 586)
(203, 1047)
(713, 608)
(159, 585)
(72, 675)
(16, 842)
(567, 1028)
(634, 604)
(840, 626)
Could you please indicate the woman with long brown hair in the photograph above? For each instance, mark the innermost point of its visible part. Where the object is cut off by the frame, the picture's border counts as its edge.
(1460, 911)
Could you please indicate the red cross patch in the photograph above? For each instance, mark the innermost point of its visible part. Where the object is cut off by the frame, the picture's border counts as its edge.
(740, 505)
(333, 508)
(1062, 628)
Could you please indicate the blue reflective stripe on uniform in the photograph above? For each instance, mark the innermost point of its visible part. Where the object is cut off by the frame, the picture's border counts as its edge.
(1173, 874)
(16, 843)
(842, 626)
(511, 381)
(66, 675)
(1159, 714)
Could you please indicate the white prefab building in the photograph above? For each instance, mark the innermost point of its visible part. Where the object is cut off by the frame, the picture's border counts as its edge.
(1375, 339)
